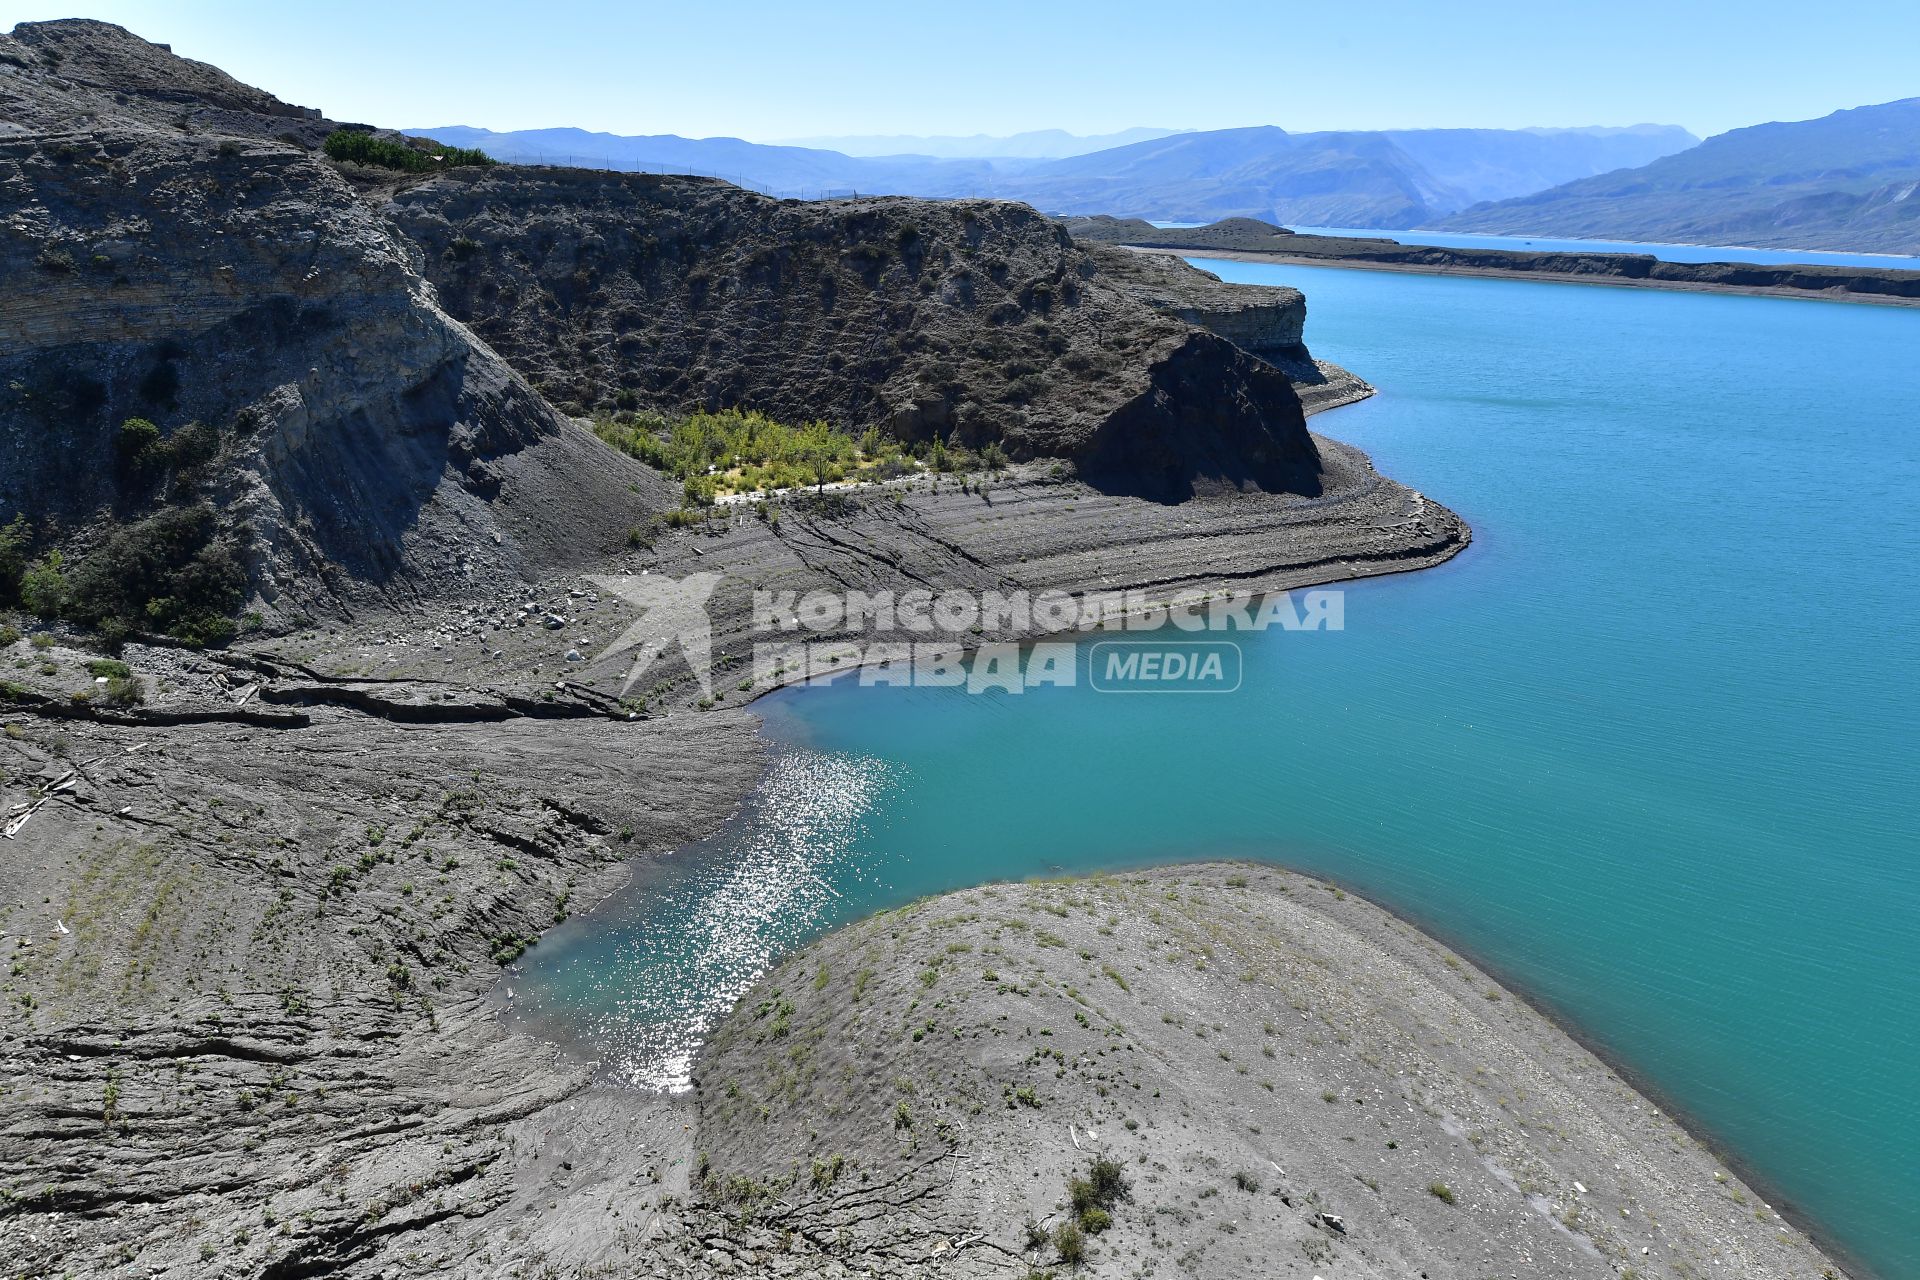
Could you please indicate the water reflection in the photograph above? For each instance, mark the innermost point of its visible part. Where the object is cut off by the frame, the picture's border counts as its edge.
(666, 958)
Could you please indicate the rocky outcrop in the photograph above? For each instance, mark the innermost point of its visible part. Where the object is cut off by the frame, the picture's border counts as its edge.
(359, 445)
(1268, 321)
(1263, 320)
(75, 75)
(973, 320)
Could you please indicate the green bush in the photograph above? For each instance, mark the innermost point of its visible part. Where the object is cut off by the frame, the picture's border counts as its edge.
(43, 587)
(1109, 1182)
(136, 442)
(143, 450)
(360, 147)
(126, 691)
(1092, 1198)
(171, 572)
(750, 451)
(1071, 1243)
(15, 539)
(192, 445)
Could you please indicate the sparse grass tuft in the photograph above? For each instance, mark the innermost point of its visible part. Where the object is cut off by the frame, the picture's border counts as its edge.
(1070, 1243)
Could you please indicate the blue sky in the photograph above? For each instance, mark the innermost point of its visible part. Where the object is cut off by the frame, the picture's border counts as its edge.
(773, 70)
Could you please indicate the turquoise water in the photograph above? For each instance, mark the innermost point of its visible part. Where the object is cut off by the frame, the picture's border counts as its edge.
(1647, 748)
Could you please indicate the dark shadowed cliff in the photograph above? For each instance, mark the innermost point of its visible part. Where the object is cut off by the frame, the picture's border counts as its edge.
(351, 437)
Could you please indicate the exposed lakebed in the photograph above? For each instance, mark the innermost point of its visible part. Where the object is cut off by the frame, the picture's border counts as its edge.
(1646, 749)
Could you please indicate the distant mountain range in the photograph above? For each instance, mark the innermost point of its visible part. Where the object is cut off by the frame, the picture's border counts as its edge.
(1037, 144)
(1848, 181)
(1402, 178)
(777, 170)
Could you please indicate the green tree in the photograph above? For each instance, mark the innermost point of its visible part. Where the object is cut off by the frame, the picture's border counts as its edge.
(137, 443)
(43, 588)
(15, 538)
(361, 147)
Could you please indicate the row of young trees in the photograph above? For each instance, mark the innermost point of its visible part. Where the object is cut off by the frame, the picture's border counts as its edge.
(361, 147)
(745, 451)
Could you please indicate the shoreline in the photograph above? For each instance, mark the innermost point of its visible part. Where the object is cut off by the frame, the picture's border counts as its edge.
(1658, 244)
(1418, 923)
(1634, 1077)
(1539, 277)
(1389, 943)
(1408, 915)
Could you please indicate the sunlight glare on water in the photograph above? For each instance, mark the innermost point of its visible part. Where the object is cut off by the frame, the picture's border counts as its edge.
(698, 931)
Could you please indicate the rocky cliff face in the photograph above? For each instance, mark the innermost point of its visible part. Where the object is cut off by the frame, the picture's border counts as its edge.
(974, 320)
(1263, 320)
(186, 258)
(356, 442)
(1266, 321)
(58, 77)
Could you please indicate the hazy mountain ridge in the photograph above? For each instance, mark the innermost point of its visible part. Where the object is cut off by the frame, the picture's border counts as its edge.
(1480, 162)
(1848, 180)
(779, 170)
(1031, 144)
(1352, 178)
